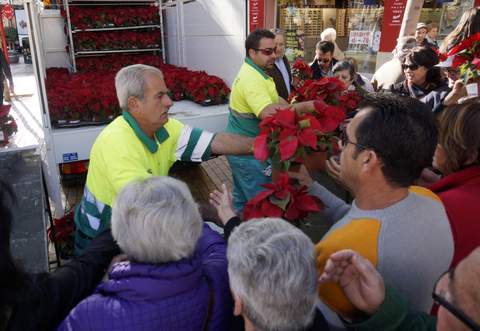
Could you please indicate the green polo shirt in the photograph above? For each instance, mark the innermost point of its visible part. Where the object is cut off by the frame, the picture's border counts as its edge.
(252, 91)
(123, 153)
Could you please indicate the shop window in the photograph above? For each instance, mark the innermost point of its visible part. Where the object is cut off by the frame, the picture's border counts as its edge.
(357, 24)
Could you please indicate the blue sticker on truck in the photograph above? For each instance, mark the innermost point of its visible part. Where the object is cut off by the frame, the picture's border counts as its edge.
(70, 157)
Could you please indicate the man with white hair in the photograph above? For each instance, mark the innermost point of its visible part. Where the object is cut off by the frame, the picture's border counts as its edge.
(143, 142)
(271, 267)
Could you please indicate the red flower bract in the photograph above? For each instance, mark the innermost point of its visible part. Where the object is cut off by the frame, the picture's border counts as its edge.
(282, 199)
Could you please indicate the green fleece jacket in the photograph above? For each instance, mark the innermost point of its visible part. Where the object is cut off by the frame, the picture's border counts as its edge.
(395, 315)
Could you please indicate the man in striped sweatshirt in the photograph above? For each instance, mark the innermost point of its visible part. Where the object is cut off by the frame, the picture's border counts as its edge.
(143, 142)
(402, 229)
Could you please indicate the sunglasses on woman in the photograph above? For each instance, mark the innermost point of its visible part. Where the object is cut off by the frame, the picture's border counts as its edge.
(412, 66)
(454, 310)
(266, 51)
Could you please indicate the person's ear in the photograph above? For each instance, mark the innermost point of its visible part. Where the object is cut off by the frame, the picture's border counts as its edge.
(370, 160)
(238, 305)
(132, 103)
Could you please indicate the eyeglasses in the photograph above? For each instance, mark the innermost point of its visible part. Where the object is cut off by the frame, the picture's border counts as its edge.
(345, 141)
(266, 51)
(412, 67)
(324, 60)
(455, 311)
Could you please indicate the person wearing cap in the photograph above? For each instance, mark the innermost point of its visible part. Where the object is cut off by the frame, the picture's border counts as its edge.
(421, 34)
(391, 73)
(455, 82)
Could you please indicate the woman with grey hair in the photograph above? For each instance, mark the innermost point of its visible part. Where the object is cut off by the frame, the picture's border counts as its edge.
(273, 277)
(175, 277)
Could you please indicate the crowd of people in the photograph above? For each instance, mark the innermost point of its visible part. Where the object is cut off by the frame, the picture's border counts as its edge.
(402, 255)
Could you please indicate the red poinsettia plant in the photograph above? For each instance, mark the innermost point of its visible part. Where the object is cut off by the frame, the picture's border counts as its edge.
(287, 137)
(284, 199)
(92, 41)
(330, 90)
(301, 71)
(106, 16)
(466, 57)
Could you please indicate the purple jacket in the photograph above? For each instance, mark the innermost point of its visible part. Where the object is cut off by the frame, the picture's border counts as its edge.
(172, 296)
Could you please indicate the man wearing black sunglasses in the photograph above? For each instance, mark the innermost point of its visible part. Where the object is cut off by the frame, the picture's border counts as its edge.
(324, 61)
(456, 292)
(254, 97)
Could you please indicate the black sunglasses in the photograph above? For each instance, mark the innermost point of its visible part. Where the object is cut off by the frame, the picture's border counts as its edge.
(266, 51)
(455, 311)
(412, 67)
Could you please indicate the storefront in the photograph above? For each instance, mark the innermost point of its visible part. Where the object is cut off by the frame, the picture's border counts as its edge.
(365, 28)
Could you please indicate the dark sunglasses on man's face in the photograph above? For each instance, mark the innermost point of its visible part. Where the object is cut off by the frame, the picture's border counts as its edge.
(412, 66)
(455, 311)
(266, 51)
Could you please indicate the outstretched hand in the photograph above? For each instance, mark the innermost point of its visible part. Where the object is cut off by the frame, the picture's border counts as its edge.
(222, 201)
(302, 176)
(360, 281)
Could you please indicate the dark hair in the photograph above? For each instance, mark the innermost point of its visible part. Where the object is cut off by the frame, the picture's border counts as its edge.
(459, 135)
(427, 57)
(345, 65)
(253, 39)
(402, 131)
(423, 56)
(325, 46)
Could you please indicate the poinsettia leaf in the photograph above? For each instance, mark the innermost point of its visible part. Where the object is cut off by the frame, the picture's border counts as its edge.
(291, 213)
(260, 148)
(270, 210)
(281, 199)
(288, 147)
(308, 138)
(308, 203)
(304, 123)
(262, 195)
(251, 211)
(285, 118)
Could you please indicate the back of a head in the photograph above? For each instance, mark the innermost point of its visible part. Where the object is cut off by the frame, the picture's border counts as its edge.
(329, 34)
(271, 266)
(402, 131)
(156, 220)
(325, 47)
(403, 45)
(253, 39)
(459, 135)
(130, 81)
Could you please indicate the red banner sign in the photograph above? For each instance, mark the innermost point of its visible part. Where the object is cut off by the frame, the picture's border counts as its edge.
(392, 22)
(256, 14)
(8, 12)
